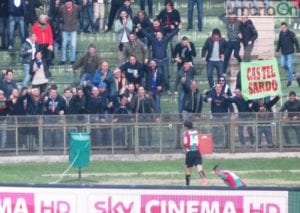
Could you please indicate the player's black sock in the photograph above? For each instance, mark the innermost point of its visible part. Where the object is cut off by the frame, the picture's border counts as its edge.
(187, 179)
(202, 174)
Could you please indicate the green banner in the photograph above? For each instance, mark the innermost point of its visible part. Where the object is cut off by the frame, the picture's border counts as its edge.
(294, 201)
(260, 79)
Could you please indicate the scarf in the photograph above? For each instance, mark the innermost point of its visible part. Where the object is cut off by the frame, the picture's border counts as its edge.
(39, 64)
(42, 25)
(154, 82)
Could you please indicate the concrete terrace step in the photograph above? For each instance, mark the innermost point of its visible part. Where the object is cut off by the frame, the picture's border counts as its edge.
(265, 37)
(260, 49)
(264, 47)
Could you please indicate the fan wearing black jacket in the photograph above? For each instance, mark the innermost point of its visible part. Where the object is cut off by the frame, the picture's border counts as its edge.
(143, 21)
(144, 106)
(286, 43)
(121, 115)
(170, 19)
(134, 71)
(97, 104)
(18, 106)
(265, 114)
(292, 106)
(184, 51)
(192, 100)
(220, 108)
(54, 104)
(213, 52)
(4, 110)
(249, 35)
(245, 114)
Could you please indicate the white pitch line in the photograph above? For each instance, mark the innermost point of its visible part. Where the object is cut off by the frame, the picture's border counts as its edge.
(266, 171)
(124, 174)
(161, 173)
(128, 174)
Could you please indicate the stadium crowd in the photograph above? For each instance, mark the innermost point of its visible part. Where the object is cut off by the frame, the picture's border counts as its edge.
(142, 75)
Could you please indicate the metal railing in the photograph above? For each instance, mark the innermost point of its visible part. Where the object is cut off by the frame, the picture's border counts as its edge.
(147, 133)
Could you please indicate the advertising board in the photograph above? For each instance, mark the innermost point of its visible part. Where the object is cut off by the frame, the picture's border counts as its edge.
(130, 200)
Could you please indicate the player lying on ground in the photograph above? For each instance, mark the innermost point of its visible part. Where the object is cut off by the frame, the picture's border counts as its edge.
(229, 178)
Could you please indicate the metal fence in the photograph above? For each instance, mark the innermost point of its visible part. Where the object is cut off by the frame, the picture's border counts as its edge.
(148, 133)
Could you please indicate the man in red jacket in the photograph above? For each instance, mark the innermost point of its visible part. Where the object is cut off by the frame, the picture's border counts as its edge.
(43, 32)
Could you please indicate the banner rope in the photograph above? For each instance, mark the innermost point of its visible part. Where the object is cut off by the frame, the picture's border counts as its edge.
(67, 170)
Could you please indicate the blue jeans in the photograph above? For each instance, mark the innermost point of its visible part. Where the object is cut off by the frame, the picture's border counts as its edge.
(268, 134)
(235, 47)
(145, 136)
(187, 116)
(150, 6)
(249, 130)
(191, 4)
(89, 10)
(210, 68)
(13, 20)
(180, 101)
(3, 31)
(86, 77)
(163, 66)
(52, 135)
(90, 13)
(286, 62)
(156, 98)
(286, 133)
(119, 136)
(26, 77)
(81, 14)
(233, 9)
(220, 130)
(66, 36)
(144, 40)
(3, 133)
